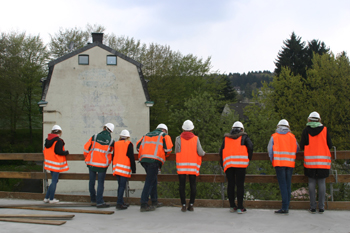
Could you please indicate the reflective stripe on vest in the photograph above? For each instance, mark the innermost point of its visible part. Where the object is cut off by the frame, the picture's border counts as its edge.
(284, 150)
(105, 152)
(121, 162)
(53, 161)
(188, 161)
(234, 154)
(158, 144)
(317, 154)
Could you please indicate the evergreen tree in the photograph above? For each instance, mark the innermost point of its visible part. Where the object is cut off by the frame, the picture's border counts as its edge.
(293, 55)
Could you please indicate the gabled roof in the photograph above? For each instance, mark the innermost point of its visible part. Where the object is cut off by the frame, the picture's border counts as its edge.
(52, 64)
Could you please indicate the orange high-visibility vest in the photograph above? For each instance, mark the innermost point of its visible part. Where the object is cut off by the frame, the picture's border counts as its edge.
(98, 155)
(284, 150)
(121, 162)
(54, 162)
(317, 154)
(234, 154)
(187, 160)
(152, 147)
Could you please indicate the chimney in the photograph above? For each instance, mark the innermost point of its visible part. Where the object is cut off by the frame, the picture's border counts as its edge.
(97, 37)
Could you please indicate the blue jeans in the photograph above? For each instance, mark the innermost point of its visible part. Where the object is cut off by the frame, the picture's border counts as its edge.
(121, 187)
(100, 186)
(150, 187)
(52, 188)
(284, 177)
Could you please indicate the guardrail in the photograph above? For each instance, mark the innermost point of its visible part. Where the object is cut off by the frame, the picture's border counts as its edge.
(216, 178)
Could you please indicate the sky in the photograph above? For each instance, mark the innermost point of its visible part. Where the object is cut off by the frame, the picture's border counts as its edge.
(240, 36)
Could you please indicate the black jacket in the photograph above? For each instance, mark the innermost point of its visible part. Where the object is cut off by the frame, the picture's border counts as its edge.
(59, 145)
(314, 173)
(236, 133)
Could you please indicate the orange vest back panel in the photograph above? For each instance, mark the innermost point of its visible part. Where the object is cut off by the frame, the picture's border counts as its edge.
(98, 155)
(121, 162)
(188, 161)
(152, 148)
(234, 154)
(54, 162)
(317, 154)
(284, 150)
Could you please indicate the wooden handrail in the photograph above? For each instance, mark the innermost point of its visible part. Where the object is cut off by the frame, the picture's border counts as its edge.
(345, 154)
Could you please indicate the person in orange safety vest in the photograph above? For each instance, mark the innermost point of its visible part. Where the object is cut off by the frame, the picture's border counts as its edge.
(316, 143)
(54, 161)
(282, 149)
(189, 154)
(153, 149)
(235, 153)
(98, 155)
(123, 165)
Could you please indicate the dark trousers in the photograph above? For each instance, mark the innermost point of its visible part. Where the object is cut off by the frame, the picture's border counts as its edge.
(284, 177)
(235, 177)
(182, 186)
(100, 186)
(52, 188)
(150, 187)
(121, 187)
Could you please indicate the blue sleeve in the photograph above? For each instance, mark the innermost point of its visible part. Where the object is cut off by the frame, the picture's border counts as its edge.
(269, 149)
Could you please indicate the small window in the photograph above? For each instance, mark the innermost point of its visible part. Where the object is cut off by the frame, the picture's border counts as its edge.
(111, 60)
(83, 59)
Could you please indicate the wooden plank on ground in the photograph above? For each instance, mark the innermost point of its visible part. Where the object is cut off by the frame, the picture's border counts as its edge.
(35, 221)
(37, 216)
(64, 210)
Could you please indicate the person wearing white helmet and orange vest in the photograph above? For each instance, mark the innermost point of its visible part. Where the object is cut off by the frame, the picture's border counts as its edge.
(316, 143)
(189, 154)
(98, 155)
(282, 149)
(235, 153)
(54, 160)
(153, 149)
(123, 165)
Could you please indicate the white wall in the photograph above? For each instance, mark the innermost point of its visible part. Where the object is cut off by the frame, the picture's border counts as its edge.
(85, 97)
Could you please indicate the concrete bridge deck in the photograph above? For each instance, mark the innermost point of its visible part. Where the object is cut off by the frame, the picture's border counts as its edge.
(171, 219)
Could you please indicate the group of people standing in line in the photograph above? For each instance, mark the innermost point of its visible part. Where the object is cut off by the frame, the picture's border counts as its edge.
(235, 153)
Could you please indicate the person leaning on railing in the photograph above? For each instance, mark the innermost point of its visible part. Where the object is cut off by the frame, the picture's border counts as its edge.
(54, 160)
(235, 153)
(189, 154)
(98, 155)
(282, 149)
(316, 143)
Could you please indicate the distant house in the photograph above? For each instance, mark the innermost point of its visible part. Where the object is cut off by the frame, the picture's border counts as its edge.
(88, 88)
(238, 108)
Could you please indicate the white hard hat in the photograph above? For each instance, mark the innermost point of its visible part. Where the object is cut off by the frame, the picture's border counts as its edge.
(283, 122)
(56, 127)
(314, 116)
(188, 125)
(162, 126)
(110, 126)
(125, 133)
(238, 124)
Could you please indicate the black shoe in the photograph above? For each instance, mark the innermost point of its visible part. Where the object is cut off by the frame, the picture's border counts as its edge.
(121, 207)
(103, 205)
(183, 209)
(145, 208)
(321, 211)
(190, 207)
(313, 211)
(126, 204)
(157, 204)
(281, 211)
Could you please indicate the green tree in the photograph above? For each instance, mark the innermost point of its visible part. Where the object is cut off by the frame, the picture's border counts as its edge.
(293, 55)
(22, 60)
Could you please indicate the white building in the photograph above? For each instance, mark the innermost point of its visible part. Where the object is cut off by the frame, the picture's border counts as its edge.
(88, 88)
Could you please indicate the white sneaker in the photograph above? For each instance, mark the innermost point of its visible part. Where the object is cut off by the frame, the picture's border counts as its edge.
(54, 201)
(46, 200)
